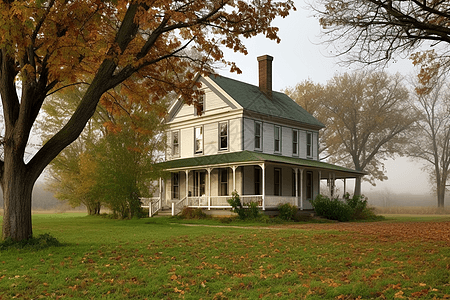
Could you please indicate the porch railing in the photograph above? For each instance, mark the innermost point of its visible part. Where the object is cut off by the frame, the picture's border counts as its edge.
(177, 207)
(153, 204)
(221, 202)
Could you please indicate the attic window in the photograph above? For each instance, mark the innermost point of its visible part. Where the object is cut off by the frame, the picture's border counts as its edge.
(175, 143)
(199, 108)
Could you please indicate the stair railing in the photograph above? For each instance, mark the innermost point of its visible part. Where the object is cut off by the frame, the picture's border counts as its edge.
(177, 207)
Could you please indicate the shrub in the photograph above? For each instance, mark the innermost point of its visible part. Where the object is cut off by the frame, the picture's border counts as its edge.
(332, 209)
(348, 209)
(192, 213)
(251, 212)
(287, 211)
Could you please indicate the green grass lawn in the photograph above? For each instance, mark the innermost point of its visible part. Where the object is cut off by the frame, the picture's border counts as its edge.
(159, 258)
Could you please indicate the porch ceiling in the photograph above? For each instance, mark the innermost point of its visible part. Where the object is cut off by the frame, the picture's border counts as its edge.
(254, 158)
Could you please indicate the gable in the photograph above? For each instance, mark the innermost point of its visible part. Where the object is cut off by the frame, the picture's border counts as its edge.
(215, 101)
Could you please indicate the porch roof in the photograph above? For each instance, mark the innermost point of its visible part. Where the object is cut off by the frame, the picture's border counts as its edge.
(252, 158)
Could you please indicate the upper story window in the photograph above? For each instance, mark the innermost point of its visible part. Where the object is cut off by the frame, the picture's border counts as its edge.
(277, 138)
(295, 142)
(223, 136)
(175, 143)
(199, 109)
(309, 144)
(198, 140)
(258, 135)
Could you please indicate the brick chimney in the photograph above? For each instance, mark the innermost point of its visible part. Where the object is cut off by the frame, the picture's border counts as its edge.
(265, 74)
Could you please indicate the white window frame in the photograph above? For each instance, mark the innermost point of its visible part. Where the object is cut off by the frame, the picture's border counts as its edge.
(309, 144)
(260, 136)
(295, 138)
(176, 153)
(275, 141)
(198, 151)
(226, 136)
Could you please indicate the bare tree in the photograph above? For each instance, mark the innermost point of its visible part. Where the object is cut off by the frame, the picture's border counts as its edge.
(432, 143)
(371, 31)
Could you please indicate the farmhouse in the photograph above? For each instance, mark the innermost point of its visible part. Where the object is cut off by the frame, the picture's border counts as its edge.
(244, 138)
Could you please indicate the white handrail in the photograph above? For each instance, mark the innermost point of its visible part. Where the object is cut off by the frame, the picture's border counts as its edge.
(176, 205)
(154, 205)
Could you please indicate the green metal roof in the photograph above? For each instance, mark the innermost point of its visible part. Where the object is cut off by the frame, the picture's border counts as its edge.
(249, 156)
(252, 99)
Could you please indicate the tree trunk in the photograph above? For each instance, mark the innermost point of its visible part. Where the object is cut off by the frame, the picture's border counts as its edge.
(17, 190)
(440, 194)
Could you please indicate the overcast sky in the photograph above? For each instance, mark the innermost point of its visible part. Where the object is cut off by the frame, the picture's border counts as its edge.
(300, 56)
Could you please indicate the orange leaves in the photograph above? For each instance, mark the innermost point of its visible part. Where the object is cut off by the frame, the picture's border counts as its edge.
(430, 64)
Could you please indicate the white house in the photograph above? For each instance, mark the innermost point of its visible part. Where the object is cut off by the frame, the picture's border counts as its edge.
(247, 138)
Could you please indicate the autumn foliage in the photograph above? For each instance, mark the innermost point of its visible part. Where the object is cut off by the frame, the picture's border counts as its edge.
(151, 48)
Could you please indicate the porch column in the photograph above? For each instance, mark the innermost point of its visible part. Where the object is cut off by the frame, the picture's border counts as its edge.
(187, 184)
(301, 189)
(296, 185)
(234, 177)
(318, 186)
(209, 188)
(160, 193)
(330, 189)
(263, 168)
(345, 185)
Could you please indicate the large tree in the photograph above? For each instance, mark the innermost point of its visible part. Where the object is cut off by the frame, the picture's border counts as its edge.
(367, 119)
(47, 45)
(432, 143)
(372, 31)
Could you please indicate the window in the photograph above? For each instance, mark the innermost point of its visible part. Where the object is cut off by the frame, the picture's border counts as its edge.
(175, 186)
(295, 142)
(199, 183)
(258, 181)
(277, 182)
(175, 143)
(309, 144)
(258, 135)
(198, 140)
(199, 108)
(223, 136)
(309, 185)
(277, 139)
(223, 179)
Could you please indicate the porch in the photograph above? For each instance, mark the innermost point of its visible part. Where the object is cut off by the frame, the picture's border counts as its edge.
(270, 180)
